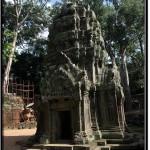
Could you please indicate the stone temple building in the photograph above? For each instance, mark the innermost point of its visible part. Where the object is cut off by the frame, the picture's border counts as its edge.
(81, 95)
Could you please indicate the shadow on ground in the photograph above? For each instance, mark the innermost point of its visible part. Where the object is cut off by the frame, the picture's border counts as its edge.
(13, 142)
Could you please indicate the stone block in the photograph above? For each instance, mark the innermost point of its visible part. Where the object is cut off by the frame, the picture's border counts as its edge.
(81, 147)
(101, 142)
(104, 147)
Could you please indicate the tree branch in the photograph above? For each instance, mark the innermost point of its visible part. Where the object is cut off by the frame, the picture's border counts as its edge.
(20, 7)
(30, 12)
(40, 9)
(21, 22)
(16, 6)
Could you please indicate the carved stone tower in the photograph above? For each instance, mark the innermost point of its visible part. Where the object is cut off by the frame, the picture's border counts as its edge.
(81, 96)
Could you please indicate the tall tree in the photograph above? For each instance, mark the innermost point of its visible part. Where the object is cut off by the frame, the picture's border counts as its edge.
(25, 19)
(123, 28)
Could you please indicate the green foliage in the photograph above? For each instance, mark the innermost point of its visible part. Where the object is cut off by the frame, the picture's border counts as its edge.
(136, 75)
(39, 48)
(13, 22)
(136, 72)
(8, 33)
(7, 44)
(34, 24)
(25, 18)
(123, 23)
(7, 47)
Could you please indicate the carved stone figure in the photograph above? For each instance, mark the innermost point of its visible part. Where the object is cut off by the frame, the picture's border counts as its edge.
(81, 96)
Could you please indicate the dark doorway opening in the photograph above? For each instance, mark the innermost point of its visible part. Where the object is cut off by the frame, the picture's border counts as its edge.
(65, 125)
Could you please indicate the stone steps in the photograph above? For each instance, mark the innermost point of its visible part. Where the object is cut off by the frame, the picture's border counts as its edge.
(103, 144)
(120, 141)
(103, 148)
(53, 146)
(61, 147)
(120, 144)
(30, 148)
(133, 146)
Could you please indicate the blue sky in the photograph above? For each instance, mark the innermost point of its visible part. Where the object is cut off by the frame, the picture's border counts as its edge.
(53, 1)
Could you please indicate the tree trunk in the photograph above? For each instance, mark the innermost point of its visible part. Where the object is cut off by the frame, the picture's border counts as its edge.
(125, 82)
(141, 46)
(18, 6)
(113, 62)
(8, 67)
(112, 56)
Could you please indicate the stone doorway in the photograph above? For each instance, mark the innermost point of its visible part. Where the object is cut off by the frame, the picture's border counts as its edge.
(64, 126)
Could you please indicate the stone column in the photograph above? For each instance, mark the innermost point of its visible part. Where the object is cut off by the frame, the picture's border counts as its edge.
(78, 124)
(38, 114)
(45, 138)
(54, 129)
(86, 122)
(93, 71)
(95, 126)
(78, 118)
(46, 117)
(112, 110)
(50, 123)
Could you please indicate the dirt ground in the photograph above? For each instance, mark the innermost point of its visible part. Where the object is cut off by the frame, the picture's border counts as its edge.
(11, 136)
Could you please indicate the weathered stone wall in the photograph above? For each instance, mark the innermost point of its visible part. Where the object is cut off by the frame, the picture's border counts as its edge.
(11, 108)
(76, 33)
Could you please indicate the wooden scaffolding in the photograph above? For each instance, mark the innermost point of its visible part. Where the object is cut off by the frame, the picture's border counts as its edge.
(23, 89)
